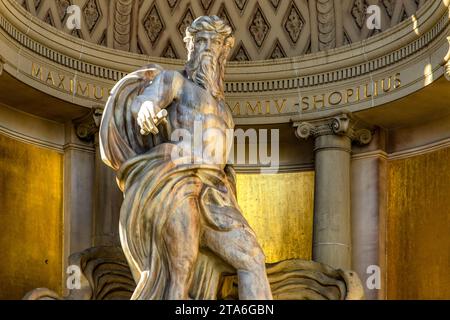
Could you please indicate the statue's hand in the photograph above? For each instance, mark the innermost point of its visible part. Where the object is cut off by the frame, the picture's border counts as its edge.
(149, 117)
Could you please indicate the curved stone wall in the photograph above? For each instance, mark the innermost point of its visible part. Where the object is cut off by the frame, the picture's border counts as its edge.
(383, 68)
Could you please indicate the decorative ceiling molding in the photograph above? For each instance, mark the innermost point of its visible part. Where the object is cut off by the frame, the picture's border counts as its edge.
(327, 24)
(275, 3)
(277, 52)
(169, 52)
(225, 16)
(323, 24)
(391, 57)
(293, 23)
(259, 26)
(241, 53)
(206, 4)
(153, 24)
(122, 25)
(186, 21)
(173, 4)
(92, 13)
(240, 5)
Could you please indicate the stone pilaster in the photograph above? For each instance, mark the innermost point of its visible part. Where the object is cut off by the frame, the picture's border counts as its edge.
(78, 191)
(107, 198)
(333, 137)
(369, 201)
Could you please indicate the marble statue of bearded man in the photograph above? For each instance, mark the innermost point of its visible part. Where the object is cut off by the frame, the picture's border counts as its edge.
(180, 224)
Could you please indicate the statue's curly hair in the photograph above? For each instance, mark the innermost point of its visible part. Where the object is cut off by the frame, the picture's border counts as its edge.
(209, 23)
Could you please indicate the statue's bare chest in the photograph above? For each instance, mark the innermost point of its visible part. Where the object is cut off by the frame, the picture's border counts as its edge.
(197, 104)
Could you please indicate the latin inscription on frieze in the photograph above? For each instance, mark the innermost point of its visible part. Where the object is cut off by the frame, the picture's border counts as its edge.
(304, 103)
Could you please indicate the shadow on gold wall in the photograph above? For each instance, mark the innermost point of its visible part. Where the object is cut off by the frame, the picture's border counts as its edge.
(30, 217)
(418, 227)
(279, 208)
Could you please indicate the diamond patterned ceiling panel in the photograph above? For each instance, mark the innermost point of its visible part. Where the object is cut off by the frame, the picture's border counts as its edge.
(269, 29)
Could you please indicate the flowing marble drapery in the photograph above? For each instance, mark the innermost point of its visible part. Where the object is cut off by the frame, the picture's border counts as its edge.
(154, 185)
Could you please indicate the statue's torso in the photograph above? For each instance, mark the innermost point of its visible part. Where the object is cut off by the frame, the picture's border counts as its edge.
(194, 109)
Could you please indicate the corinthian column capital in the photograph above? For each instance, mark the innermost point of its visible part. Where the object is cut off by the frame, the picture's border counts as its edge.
(87, 126)
(343, 124)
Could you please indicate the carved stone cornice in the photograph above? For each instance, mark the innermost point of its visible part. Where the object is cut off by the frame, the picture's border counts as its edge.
(343, 124)
(324, 69)
(86, 127)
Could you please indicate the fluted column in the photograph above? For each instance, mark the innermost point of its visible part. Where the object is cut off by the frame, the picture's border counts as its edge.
(333, 139)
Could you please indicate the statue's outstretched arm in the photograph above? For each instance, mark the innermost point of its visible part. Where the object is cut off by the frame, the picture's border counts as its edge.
(148, 107)
(119, 129)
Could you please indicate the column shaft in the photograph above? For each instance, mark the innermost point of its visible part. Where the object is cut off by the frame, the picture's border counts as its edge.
(332, 224)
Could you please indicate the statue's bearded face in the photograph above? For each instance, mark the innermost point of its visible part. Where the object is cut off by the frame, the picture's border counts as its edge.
(206, 62)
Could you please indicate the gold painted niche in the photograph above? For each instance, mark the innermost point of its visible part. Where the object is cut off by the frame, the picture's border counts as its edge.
(279, 208)
(417, 227)
(31, 216)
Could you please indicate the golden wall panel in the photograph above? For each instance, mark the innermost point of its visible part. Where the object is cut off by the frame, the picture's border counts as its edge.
(31, 218)
(418, 227)
(279, 208)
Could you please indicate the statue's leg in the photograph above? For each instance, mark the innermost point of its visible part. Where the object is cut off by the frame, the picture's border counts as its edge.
(182, 241)
(240, 249)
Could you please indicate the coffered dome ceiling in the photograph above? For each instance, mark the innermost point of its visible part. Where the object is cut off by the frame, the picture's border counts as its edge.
(264, 29)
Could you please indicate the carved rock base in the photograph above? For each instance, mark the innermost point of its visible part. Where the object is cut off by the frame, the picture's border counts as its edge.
(105, 276)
